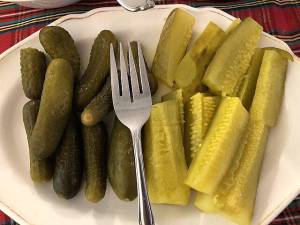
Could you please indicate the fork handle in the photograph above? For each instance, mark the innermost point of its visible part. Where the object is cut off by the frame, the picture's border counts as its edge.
(144, 206)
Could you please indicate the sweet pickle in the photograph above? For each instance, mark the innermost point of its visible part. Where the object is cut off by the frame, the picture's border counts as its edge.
(97, 70)
(99, 107)
(152, 79)
(235, 197)
(172, 45)
(164, 156)
(40, 170)
(58, 43)
(199, 114)
(247, 89)
(219, 146)
(189, 72)
(282, 52)
(177, 95)
(232, 59)
(269, 88)
(33, 69)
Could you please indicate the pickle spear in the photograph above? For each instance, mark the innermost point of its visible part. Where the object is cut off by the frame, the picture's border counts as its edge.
(219, 146)
(172, 45)
(269, 88)
(230, 64)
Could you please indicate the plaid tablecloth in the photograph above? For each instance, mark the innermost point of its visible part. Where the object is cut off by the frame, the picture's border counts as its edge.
(280, 18)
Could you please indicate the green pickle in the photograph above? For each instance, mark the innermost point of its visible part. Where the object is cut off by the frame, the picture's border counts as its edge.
(41, 170)
(247, 89)
(67, 177)
(269, 88)
(151, 78)
(178, 96)
(121, 166)
(282, 52)
(33, 69)
(97, 70)
(199, 113)
(235, 196)
(95, 161)
(229, 66)
(55, 109)
(58, 43)
(191, 69)
(164, 156)
(99, 107)
(172, 45)
(219, 146)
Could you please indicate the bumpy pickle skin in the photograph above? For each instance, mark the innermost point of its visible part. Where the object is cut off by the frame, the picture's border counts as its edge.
(232, 59)
(269, 88)
(33, 69)
(55, 109)
(41, 170)
(172, 45)
(164, 156)
(191, 69)
(58, 43)
(235, 197)
(219, 146)
(97, 70)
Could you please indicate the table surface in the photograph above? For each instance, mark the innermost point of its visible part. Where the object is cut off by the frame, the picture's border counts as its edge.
(280, 18)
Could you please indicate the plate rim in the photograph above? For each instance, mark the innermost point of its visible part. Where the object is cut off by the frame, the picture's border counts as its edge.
(18, 218)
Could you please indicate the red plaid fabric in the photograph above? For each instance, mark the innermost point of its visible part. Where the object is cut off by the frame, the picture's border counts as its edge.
(280, 18)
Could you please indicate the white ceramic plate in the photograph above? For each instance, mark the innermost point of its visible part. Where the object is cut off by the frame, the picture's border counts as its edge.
(38, 204)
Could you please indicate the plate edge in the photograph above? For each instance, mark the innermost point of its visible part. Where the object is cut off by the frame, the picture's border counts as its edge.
(15, 216)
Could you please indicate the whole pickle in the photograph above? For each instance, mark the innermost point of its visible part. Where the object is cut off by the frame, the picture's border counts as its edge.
(58, 43)
(33, 69)
(97, 70)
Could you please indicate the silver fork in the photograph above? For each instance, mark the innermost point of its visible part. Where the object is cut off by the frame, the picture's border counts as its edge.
(132, 104)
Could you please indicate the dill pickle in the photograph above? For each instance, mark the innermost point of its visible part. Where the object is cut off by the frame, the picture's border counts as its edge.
(95, 161)
(58, 43)
(33, 69)
(97, 70)
(192, 67)
(67, 177)
(121, 167)
(269, 88)
(55, 109)
(152, 79)
(99, 107)
(221, 143)
(41, 170)
(229, 66)
(172, 45)
(165, 163)
(282, 52)
(247, 89)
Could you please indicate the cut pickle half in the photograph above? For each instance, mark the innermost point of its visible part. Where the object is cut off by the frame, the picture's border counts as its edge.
(282, 52)
(232, 59)
(219, 146)
(269, 88)
(189, 72)
(199, 114)
(235, 197)
(164, 158)
(247, 89)
(172, 45)
(177, 95)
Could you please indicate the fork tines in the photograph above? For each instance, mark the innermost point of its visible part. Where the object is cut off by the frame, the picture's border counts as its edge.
(133, 85)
